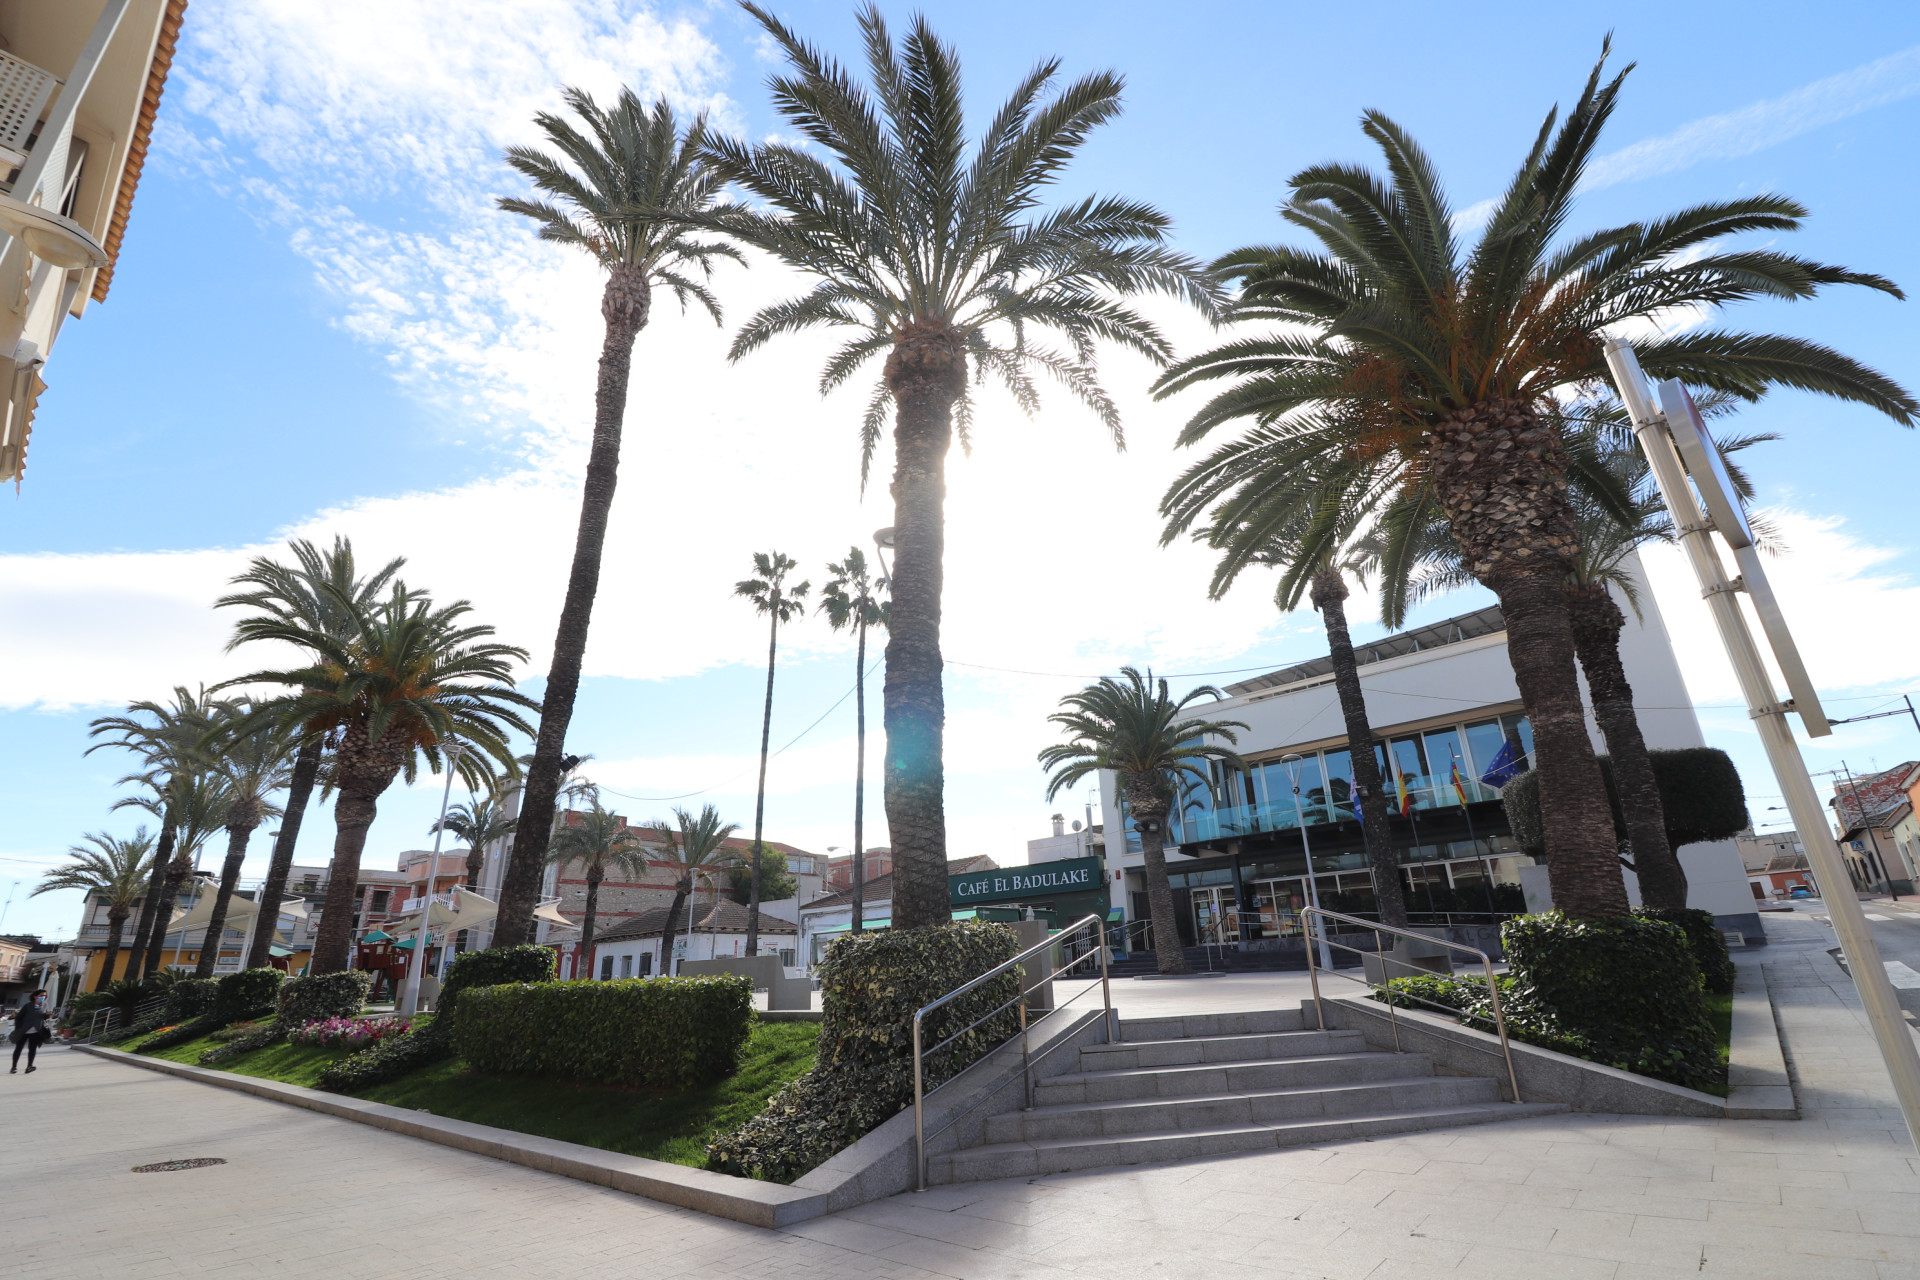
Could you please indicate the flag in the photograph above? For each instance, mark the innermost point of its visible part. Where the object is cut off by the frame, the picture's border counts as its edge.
(1507, 765)
(1459, 787)
(1400, 780)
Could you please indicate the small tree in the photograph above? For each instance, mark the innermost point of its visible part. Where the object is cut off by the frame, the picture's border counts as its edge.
(694, 845)
(780, 601)
(775, 881)
(597, 842)
(854, 599)
(114, 871)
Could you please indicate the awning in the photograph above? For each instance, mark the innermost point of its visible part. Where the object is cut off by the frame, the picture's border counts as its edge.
(464, 911)
(281, 952)
(884, 923)
(377, 936)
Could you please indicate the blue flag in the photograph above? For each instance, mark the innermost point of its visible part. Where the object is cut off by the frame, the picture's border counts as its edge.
(1507, 765)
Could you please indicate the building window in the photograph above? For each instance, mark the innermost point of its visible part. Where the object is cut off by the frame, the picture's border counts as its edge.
(606, 968)
(646, 963)
(626, 966)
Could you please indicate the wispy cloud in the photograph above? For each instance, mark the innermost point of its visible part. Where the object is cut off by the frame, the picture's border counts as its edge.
(1764, 124)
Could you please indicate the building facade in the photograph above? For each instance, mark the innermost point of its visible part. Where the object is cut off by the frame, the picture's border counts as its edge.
(1868, 812)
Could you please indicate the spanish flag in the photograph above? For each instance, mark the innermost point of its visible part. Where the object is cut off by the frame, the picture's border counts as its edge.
(1400, 781)
(1459, 787)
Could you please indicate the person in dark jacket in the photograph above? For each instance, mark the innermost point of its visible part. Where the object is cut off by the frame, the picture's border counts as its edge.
(30, 1029)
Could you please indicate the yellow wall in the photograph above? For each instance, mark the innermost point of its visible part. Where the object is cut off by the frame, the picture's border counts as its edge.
(169, 956)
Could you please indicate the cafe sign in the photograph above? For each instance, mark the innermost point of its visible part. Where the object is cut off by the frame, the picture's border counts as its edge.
(1014, 884)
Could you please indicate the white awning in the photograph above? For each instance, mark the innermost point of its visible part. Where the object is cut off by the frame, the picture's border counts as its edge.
(463, 909)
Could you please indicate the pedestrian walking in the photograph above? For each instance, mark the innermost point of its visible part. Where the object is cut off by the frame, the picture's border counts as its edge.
(29, 1029)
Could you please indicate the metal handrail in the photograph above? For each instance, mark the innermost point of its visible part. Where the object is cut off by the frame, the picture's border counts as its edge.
(1026, 1059)
(1486, 963)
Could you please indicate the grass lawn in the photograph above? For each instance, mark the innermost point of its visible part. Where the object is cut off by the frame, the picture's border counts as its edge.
(671, 1127)
(291, 1063)
(1720, 1011)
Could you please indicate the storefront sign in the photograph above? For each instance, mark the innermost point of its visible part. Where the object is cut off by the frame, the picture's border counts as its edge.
(1013, 884)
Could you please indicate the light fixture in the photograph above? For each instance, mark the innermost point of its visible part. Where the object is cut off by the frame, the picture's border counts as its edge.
(50, 237)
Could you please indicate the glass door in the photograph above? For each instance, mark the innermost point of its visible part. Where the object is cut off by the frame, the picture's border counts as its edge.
(1279, 903)
(1214, 919)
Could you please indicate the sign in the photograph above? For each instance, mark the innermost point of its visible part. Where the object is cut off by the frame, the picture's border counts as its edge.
(1042, 880)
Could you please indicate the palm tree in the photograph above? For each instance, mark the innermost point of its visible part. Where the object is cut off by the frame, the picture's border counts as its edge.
(697, 844)
(853, 599)
(940, 263)
(1409, 364)
(253, 764)
(411, 679)
(113, 872)
(1133, 727)
(168, 738)
(781, 602)
(599, 842)
(310, 594)
(622, 192)
(198, 803)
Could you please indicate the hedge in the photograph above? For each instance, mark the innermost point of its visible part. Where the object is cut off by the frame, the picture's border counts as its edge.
(1700, 794)
(1704, 939)
(188, 998)
(871, 986)
(247, 994)
(655, 1033)
(432, 1038)
(1625, 992)
(322, 996)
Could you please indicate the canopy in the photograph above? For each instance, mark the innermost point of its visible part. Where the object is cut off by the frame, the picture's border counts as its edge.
(240, 912)
(550, 912)
(378, 936)
(466, 910)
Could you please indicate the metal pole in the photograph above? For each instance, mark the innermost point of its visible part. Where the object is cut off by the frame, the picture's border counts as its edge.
(1386, 980)
(1313, 976)
(919, 1111)
(1106, 990)
(1026, 1052)
(1769, 716)
(1500, 1025)
(410, 1002)
(1306, 848)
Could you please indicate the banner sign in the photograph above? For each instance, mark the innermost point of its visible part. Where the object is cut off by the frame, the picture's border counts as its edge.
(1042, 880)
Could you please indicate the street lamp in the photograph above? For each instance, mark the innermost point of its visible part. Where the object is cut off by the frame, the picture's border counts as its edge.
(883, 543)
(410, 1001)
(1293, 762)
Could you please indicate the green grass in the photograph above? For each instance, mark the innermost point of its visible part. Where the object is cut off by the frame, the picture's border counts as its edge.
(659, 1126)
(294, 1064)
(1720, 1012)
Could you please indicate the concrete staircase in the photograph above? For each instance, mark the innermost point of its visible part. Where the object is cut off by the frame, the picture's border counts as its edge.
(1209, 1084)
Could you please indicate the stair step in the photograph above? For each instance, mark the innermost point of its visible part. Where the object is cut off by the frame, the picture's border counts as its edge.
(1197, 1049)
(1228, 1077)
(1064, 1155)
(1230, 1110)
(1252, 1022)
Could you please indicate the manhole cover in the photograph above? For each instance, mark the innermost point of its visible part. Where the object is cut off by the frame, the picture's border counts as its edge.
(169, 1166)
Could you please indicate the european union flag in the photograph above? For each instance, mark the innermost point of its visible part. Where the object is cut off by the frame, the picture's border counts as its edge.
(1507, 765)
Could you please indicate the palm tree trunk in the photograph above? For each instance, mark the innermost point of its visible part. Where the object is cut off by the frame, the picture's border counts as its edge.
(594, 874)
(116, 925)
(177, 872)
(1329, 597)
(623, 305)
(306, 770)
(672, 927)
(353, 814)
(860, 772)
(760, 793)
(1597, 624)
(1167, 952)
(149, 908)
(926, 372)
(1499, 473)
(237, 836)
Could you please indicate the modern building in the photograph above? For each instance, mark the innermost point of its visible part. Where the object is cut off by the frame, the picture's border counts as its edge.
(705, 931)
(1443, 699)
(80, 84)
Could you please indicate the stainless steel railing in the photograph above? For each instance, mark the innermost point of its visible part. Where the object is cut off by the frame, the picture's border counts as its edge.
(1027, 1062)
(1309, 914)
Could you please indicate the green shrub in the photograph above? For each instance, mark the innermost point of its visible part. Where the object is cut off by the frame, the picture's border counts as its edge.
(1624, 992)
(662, 1033)
(1704, 939)
(256, 1036)
(188, 998)
(233, 1031)
(323, 996)
(871, 986)
(1700, 797)
(247, 993)
(432, 1038)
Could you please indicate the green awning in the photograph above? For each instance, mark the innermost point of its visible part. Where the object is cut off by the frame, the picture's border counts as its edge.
(405, 944)
(282, 952)
(883, 923)
(377, 936)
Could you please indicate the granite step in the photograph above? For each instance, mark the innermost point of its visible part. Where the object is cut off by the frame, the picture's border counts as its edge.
(1180, 1026)
(1029, 1159)
(1228, 1077)
(1230, 1110)
(1193, 1050)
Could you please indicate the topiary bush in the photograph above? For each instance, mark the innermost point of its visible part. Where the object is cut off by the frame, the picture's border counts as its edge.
(871, 986)
(1704, 939)
(1625, 992)
(322, 996)
(661, 1033)
(247, 992)
(431, 1039)
(188, 998)
(1700, 797)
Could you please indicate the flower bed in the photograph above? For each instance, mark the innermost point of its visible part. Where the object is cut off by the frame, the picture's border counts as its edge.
(348, 1033)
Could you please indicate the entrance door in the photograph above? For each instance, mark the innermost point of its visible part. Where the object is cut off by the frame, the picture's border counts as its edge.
(1279, 903)
(1214, 917)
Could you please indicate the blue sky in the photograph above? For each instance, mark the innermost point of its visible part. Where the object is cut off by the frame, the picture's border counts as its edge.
(319, 324)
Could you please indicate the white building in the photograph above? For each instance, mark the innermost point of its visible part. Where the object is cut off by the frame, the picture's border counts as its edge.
(80, 83)
(632, 948)
(1443, 699)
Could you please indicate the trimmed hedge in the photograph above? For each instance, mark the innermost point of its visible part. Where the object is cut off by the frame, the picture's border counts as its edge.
(661, 1033)
(188, 998)
(1705, 940)
(1624, 992)
(1700, 795)
(247, 992)
(871, 986)
(323, 996)
(432, 1038)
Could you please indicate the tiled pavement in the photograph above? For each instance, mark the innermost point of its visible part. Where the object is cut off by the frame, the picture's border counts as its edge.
(1566, 1197)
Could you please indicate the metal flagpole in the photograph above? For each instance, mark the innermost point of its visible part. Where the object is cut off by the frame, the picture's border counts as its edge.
(1656, 431)
(410, 1002)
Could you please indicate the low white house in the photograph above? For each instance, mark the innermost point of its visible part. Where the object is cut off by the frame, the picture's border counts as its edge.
(632, 948)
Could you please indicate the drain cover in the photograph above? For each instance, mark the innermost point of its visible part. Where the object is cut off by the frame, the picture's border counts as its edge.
(169, 1166)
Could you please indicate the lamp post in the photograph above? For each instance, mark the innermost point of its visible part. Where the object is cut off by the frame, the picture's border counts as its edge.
(1293, 762)
(410, 1002)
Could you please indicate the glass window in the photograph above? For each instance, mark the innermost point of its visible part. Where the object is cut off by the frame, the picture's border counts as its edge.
(1337, 792)
(1409, 775)
(1448, 761)
(1519, 730)
(606, 968)
(626, 966)
(1276, 786)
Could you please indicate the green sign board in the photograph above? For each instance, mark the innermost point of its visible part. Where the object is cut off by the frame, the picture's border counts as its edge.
(1042, 880)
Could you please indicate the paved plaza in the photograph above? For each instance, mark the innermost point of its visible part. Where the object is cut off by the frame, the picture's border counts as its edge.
(1836, 1194)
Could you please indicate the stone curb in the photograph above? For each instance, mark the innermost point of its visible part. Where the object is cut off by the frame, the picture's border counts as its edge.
(758, 1204)
(1756, 1055)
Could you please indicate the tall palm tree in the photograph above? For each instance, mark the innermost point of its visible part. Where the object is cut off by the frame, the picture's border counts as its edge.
(254, 764)
(598, 842)
(1409, 362)
(198, 803)
(168, 738)
(696, 844)
(853, 598)
(622, 192)
(412, 678)
(115, 872)
(1135, 728)
(283, 593)
(780, 601)
(940, 262)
